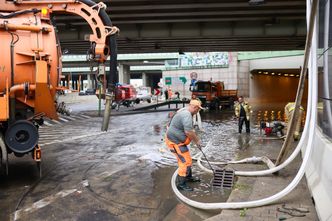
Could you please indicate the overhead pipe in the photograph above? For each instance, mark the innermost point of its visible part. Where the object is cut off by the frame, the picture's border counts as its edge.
(300, 89)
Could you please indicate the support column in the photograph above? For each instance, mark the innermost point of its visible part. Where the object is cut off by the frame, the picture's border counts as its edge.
(89, 81)
(145, 79)
(124, 74)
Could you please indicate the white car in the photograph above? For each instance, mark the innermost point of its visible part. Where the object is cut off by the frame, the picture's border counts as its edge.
(144, 94)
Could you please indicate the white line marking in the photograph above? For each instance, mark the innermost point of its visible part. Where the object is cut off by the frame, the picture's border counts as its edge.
(42, 203)
(56, 121)
(79, 117)
(74, 138)
(70, 118)
(48, 124)
(63, 119)
(85, 116)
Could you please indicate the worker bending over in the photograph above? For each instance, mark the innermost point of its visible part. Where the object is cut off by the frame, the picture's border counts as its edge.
(178, 136)
(289, 109)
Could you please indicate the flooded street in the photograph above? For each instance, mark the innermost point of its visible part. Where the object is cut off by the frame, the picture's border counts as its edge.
(122, 174)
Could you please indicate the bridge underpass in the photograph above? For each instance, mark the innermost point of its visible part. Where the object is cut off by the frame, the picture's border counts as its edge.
(186, 26)
(192, 26)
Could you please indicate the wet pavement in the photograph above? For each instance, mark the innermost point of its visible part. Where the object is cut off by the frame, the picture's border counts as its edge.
(123, 174)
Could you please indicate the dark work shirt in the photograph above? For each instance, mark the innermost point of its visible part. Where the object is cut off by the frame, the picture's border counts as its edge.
(242, 111)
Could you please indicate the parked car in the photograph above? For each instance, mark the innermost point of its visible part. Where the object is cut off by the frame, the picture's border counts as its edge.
(144, 94)
(89, 91)
(81, 93)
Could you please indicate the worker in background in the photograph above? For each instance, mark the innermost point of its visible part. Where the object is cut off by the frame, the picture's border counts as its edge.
(166, 94)
(242, 111)
(289, 109)
(170, 93)
(177, 94)
(179, 134)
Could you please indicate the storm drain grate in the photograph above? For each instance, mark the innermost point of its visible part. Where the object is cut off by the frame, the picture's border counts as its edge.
(223, 179)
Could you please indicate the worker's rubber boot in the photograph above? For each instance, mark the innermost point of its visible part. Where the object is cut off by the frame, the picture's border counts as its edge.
(182, 184)
(192, 179)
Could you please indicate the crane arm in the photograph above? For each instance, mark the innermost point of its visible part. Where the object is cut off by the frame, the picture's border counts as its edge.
(94, 14)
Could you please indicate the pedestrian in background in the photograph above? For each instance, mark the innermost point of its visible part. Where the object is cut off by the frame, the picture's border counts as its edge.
(177, 94)
(166, 94)
(179, 134)
(170, 93)
(242, 112)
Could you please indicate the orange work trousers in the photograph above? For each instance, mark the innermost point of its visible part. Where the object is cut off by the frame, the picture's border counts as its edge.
(182, 154)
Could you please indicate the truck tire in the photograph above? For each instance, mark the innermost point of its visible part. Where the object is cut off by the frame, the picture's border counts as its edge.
(231, 103)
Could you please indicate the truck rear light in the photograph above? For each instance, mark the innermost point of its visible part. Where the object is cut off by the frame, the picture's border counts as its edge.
(37, 153)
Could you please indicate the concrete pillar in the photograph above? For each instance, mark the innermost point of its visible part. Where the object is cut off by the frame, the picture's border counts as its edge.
(89, 81)
(145, 79)
(124, 74)
(243, 76)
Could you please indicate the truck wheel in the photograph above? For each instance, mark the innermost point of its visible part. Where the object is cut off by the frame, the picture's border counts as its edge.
(148, 100)
(231, 103)
(217, 104)
(212, 106)
(137, 100)
(113, 106)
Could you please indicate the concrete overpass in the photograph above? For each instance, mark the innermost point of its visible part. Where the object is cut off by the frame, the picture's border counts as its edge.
(151, 67)
(191, 26)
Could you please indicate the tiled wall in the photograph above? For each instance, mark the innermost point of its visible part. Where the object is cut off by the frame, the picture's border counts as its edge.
(235, 76)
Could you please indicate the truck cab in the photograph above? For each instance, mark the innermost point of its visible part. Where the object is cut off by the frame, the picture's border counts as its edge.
(213, 94)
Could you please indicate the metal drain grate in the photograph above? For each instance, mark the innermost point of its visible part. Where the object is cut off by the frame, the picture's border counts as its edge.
(223, 179)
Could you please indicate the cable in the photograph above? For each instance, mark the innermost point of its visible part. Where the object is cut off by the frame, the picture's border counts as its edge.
(14, 14)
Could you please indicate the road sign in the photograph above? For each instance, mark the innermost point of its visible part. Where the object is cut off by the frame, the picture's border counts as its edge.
(156, 91)
(183, 79)
(193, 75)
(168, 81)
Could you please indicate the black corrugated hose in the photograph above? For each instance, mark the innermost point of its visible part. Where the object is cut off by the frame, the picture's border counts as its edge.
(112, 77)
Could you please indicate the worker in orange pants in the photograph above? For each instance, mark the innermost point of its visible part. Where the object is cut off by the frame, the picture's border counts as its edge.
(178, 136)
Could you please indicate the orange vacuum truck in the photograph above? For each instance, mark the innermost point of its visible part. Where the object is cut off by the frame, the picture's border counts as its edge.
(30, 66)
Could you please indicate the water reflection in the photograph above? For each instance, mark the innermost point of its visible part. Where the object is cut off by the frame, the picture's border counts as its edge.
(156, 129)
(243, 141)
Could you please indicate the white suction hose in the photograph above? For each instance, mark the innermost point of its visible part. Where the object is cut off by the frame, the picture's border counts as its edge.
(277, 196)
(267, 161)
(297, 178)
(273, 169)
